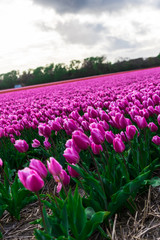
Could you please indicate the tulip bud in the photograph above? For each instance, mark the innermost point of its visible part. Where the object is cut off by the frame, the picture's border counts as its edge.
(72, 172)
(47, 144)
(141, 122)
(35, 143)
(39, 167)
(30, 179)
(96, 149)
(156, 140)
(71, 155)
(80, 139)
(44, 130)
(54, 167)
(131, 131)
(118, 145)
(1, 162)
(97, 136)
(153, 127)
(109, 136)
(21, 145)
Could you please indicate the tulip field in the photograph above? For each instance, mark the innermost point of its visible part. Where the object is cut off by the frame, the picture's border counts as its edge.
(97, 140)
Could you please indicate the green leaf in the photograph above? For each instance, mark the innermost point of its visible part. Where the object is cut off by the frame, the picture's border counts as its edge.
(42, 236)
(92, 224)
(64, 221)
(154, 182)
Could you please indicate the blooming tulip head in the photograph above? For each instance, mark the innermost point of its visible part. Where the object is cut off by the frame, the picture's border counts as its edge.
(71, 155)
(39, 167)
(72, 172)
(81, 139)
(97, 136)
(47, 144)
(44, 130)
(1, 162)
(141, 122)
(109, 136)
(118, 145)
(96, 149)
(153, 127)
(30, 179)
(35, 143)
(54, 167)
(131, 131)
(21, 145)
(156, 140)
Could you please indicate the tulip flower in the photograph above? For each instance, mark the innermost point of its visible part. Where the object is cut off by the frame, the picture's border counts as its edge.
(71, 155)
(81, 139)
(72, 172)
(141, 122)
(96, 149)
(1, 162)
(21, 145)
(153, 127)
(54, 167)
(35, 143)
(30, 179)
(62, 179)
(109, 136)
(131, 131)
(44, 130)
(39, 167)
(118, 145)
(71, 144)
(156, 140)
(97, 136)
(47, 144)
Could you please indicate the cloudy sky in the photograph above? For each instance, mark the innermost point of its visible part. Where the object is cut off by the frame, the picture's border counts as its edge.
(39, 32)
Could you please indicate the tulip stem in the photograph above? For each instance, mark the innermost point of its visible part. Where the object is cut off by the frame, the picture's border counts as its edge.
(127, 175)
(99, 176)
(63, 186)
(106, 155)
(4, 173)
(41, 211)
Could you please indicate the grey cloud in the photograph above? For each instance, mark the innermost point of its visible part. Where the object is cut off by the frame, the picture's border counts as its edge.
(140, 28)
(93, 6)
(119, 43)
(77, 33)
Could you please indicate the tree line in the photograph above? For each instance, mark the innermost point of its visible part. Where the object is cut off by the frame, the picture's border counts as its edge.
(76, 69)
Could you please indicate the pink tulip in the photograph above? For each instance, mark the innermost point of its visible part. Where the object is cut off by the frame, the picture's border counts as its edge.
(21, 145)
(96, 149)
(141, 122)
(71, 155)
(118, 145)
(35, 143)
(54, 167)
(1, 162)
(44, 130)
(30, 179)
(131, 131)
(71, 144)
(72, 172)
(156, 140)
(153, 127)
(39, 167)
(47, 144)
(92, 112)
(80, 139)
(97, 136)
(109, 136)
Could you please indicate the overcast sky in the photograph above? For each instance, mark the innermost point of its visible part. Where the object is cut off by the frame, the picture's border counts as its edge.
(34, 33)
